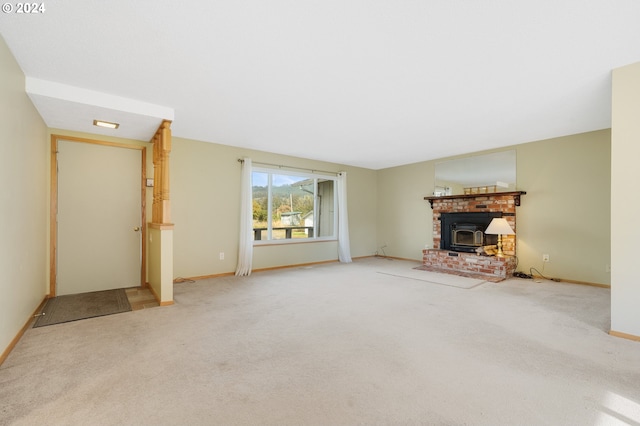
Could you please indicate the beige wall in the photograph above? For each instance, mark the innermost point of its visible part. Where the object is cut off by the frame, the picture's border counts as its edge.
(205, 191)
(565, 213)
(404, 217)
(205, 197)
(23, 202)
(160, 265)
(625, 200)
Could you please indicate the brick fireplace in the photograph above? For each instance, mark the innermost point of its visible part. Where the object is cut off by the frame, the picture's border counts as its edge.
(446, 259)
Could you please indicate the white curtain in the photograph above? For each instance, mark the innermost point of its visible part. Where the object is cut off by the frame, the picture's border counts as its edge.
(344, 250)
(245, 252)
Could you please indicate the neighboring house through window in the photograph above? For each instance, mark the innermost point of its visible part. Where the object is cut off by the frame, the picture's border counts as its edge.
(293, 206)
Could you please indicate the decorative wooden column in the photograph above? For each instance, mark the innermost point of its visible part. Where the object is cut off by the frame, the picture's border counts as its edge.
(161, 213)
(161, 228)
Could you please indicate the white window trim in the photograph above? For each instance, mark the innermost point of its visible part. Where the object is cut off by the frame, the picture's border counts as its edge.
(278, 171)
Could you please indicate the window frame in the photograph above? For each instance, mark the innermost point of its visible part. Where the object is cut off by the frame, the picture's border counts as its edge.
(270, 171)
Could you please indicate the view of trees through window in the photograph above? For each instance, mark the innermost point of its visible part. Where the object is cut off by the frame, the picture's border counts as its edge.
(285, 206)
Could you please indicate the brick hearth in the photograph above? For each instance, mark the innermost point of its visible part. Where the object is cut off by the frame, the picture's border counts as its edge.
(487, 266)
(491, 267)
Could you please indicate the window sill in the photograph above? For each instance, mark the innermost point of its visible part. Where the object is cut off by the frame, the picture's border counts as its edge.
(264, 243)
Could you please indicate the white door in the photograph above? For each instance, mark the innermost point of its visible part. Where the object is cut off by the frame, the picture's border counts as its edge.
(99, 218)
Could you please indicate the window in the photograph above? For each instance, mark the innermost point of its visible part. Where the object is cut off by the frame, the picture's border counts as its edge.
(290, 206)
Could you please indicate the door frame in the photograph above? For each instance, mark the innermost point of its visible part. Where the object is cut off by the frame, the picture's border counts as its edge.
(53, 210)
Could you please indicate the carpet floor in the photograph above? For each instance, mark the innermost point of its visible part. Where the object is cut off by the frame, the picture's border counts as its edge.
(333, 344)
(438, 278)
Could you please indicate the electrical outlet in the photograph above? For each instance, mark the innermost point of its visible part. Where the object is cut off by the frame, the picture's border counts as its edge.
(221, 255)
(545, 258)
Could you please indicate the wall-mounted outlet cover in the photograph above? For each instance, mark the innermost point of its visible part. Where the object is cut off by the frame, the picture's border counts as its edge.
(545, 258)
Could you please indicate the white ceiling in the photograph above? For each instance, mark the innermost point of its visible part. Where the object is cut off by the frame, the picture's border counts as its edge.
(375, 83)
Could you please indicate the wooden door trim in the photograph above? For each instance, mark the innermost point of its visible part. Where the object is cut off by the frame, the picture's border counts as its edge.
(53, 210)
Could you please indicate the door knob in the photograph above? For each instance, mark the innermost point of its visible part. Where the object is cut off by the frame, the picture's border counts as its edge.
(136, 229)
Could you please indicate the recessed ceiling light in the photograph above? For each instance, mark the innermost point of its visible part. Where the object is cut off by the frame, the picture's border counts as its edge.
(106, 124)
